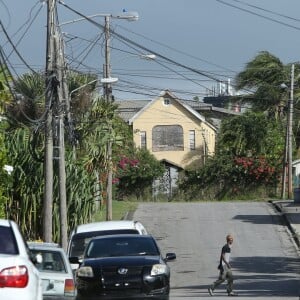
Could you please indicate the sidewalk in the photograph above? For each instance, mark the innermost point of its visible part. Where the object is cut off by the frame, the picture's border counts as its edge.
(290, 211)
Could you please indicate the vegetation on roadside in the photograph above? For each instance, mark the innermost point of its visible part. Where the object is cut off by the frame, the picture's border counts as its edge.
(247, 162)
(121, 210)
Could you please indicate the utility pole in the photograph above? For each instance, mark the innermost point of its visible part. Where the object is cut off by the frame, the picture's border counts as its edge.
(56, 100)
(290, 136)
(108, 97)
(62, 105)
(48, 160)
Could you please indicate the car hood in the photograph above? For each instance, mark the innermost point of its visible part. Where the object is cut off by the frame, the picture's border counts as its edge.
(124, 260)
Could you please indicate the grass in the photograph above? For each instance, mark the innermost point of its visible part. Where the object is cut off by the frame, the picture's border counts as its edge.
(119, 210)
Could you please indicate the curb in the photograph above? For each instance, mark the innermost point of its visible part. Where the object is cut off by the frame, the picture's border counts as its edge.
(295, 235)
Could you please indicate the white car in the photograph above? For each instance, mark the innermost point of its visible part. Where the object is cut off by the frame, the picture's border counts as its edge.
(19, 278)
(82, 234)
(55, 271)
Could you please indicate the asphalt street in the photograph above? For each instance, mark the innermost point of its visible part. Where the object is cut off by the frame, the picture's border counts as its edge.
(265, 257)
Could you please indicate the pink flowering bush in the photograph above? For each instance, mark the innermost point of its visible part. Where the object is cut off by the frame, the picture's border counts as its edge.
(255, 169)
(135, 174)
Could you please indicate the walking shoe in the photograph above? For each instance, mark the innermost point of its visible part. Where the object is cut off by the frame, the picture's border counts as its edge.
(210, 291)
(232, 294)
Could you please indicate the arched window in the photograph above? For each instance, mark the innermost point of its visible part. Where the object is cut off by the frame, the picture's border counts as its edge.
(167, 138)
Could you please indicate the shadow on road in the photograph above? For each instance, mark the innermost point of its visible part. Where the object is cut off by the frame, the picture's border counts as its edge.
(260, 276)
(259, 219)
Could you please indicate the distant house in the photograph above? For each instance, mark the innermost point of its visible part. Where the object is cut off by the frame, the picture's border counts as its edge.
(174, 131)
(170, 129)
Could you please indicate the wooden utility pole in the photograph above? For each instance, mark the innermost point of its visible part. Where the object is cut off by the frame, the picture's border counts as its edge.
(290, 136)
(62, 105)
(56, 101)
(48, 160)
(108, 97)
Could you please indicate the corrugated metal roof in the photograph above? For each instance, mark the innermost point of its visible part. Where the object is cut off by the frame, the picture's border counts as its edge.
(128, 108)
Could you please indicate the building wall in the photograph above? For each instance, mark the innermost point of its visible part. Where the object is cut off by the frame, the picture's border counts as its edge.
(158, 113)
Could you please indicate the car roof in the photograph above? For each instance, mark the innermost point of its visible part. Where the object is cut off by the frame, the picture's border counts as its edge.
(5, 222)
(106, 225)
(42, 245)
(118, 236)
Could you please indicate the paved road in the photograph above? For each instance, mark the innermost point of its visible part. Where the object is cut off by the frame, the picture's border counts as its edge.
(264, 257)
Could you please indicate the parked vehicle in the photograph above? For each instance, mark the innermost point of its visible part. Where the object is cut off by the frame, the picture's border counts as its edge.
(55, 271)
(19, 278)
(82, 234)
(124, 267)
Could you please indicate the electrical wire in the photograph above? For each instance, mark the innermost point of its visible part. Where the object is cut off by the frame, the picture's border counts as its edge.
(175, 50)
(8, 12)
(15, 49)
(120, 37)
(267, 10)
(26, 28)
(259, 15)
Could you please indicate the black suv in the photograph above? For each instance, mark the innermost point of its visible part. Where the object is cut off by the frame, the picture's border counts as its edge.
(124, 267)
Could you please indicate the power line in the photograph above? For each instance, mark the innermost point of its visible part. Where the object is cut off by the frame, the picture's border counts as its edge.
(258, 15)
(15, 49)
(267, 10)
(176, 50)
(27, 28)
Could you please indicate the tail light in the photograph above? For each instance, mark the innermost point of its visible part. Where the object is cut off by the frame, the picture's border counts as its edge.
(69, 287)
(14, 277)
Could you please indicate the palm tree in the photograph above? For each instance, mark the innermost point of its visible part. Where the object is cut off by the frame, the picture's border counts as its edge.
(264, 77)
(29, 111)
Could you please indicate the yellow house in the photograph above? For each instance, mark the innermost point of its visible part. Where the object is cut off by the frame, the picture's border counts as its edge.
(173, 132)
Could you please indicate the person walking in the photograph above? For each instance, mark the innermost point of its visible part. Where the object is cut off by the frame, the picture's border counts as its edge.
(225, 269)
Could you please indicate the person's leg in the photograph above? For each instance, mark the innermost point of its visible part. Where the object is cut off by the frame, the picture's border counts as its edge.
(229, 277)
(221, 279)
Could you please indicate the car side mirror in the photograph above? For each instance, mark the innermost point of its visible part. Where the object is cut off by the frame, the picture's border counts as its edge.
(170, 256)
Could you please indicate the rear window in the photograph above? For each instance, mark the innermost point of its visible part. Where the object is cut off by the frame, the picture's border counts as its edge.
(80, 240)
(8, 244)
(52, 261)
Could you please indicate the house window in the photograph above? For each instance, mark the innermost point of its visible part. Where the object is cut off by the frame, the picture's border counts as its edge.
(143, 140)
(167, 138)
(167, 101)
(192, 139)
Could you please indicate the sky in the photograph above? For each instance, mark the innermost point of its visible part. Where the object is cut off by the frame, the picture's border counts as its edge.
(198, 42)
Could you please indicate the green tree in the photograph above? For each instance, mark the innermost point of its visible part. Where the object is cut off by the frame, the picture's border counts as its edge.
(249, 135)
(265, 76)
(248, 157)
(5, 95)
(4, 175)
(25, 140)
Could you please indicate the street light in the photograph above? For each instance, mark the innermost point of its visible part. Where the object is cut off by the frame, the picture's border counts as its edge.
(107, 82)
(129, 16)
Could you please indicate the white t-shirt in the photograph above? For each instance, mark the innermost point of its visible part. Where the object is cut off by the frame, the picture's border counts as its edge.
(226, 252)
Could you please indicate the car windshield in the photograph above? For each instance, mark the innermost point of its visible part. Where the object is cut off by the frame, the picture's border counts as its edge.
(121, 246)
(80, 240)
(52, 261)
(8, 243)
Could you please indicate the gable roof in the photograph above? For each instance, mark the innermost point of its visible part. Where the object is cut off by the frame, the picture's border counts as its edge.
(130, 109)
(167, 93)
